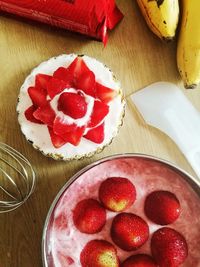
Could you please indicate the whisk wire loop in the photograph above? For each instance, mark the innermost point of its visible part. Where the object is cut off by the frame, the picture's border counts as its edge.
(17, 179)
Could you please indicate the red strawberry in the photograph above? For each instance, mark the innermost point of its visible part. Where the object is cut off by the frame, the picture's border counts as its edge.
(56, 140)
(162, 207)
(96, 135)
(72, 72)
(78, 67)
(69, 132)
(61, 128)
(168, 247)
(45, 114)
(29, 115)
(89, 216)
(129, 231)
(99, 253)
(100, 110)
(74, 137)
(65, 75)
(117, 193)
(104, 93)
(139, 260)
(86, 83)
(38, 96)
(55, 86)
(41, 80)
(73, 105)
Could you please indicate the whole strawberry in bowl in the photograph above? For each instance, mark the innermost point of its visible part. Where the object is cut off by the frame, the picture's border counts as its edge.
(169, 247)
(162, 207)
(99, 253)
(129, 231)
(139, 260)
(70, 107)
(117, 193)
(89, 216)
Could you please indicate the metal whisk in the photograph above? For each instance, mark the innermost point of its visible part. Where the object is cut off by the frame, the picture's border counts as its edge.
(17, 178)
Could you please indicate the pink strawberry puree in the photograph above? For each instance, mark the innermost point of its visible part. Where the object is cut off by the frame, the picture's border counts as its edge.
(65, 242)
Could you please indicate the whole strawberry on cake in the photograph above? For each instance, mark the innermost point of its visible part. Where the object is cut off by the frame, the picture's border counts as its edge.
(70, 107)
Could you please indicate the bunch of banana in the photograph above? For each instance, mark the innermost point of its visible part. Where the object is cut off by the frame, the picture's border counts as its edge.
(188, 51)
(161, 16)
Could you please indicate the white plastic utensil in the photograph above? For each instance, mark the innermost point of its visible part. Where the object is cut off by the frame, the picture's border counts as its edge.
(164, 106)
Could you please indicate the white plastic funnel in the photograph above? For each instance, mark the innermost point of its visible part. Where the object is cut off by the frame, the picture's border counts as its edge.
(164, 106)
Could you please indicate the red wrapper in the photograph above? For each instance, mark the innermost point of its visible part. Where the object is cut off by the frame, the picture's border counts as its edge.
(89, 17)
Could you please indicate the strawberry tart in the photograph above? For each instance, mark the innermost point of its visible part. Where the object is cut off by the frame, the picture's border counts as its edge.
(70, 107)
(126, 211)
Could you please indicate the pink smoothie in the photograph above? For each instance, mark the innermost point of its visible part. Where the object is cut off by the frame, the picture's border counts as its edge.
(65, 242)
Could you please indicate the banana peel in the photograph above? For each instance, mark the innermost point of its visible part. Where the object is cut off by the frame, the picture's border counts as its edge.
(188, 49)
(161, 16)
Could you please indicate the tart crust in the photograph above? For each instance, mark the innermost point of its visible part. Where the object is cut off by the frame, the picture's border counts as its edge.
(60, 156)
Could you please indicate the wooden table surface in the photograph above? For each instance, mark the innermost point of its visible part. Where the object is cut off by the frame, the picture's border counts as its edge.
(136, 56)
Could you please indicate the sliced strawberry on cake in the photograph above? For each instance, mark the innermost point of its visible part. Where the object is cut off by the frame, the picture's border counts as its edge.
(104, 93)
(100, 110)
(75, 136)
(96, 134)
(45, 114)
(78, 67)
(63, 74)
(55, 86)
(86, 82)
(38, 96)
(41, 80)
(29, 115)
(57, 140)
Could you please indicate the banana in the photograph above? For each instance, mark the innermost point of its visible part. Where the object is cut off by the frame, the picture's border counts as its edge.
(188, 50)
(161, 16)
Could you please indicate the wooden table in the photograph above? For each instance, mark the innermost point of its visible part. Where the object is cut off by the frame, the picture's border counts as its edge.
(136, 56)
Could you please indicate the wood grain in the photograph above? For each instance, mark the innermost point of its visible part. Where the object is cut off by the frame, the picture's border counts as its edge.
(135, 55)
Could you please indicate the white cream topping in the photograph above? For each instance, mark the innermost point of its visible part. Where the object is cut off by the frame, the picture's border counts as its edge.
(42, 140)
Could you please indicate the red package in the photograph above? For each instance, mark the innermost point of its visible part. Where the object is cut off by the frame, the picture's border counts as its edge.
(90, 17)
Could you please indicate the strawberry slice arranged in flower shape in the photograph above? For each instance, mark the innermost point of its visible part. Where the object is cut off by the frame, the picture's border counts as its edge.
(55, 86)
(104, 93)
(71, 104)
(41, 80)
(29, 115)
(38, 96)
(96, 135)
(45, 114)
(100, 110)
(86, 82)
(56, 140)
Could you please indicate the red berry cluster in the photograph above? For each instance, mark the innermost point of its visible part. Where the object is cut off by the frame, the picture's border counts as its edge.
(72, 103)
(129, 231)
